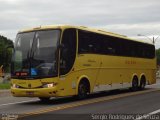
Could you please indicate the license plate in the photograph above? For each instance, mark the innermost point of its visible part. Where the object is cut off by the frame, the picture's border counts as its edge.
(30, 93)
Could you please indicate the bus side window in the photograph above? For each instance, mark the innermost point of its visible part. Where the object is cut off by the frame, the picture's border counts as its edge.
(68, 51)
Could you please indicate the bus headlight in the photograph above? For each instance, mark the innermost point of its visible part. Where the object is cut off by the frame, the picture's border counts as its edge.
(49, 85)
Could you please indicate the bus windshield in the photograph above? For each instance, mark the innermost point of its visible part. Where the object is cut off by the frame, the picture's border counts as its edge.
(36, 54)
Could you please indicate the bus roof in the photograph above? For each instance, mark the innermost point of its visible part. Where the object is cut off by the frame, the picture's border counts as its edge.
(82, 28)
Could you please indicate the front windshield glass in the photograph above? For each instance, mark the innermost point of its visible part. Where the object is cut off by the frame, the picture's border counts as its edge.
(36, 54)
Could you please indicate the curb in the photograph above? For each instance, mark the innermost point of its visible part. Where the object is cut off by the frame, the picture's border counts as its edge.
(5, 93)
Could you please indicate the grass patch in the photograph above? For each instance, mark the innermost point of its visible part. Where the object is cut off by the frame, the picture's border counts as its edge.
(5, 85)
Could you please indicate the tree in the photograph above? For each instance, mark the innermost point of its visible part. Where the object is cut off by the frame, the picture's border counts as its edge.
(5, 52)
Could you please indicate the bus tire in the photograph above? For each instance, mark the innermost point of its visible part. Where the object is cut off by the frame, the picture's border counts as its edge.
(134, 84)
(44, 99)
(142, 83)
(82, 90)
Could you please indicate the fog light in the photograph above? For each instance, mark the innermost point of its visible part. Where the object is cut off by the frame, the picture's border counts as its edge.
(49, 85)
(15, 86)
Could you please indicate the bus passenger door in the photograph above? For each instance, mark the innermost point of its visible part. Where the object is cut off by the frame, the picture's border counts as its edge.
(67, 60)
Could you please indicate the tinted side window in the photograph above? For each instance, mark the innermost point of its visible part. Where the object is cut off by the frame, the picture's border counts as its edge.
(150, 51)
(88, 42)
(113, 45)
(104, 44)
(68, 51)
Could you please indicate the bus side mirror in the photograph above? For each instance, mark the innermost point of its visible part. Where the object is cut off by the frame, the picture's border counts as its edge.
(62, 50)
(61, 46)
(64, 53)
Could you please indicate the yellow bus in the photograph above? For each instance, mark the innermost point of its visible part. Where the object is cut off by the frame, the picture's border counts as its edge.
(64, 60)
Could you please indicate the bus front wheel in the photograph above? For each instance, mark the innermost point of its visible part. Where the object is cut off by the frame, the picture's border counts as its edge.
(82, 90)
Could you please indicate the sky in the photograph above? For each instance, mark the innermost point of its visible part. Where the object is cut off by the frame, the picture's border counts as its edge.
(126, 17)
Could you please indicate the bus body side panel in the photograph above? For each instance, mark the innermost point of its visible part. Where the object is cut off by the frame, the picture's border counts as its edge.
(118, 72)
(86, 66)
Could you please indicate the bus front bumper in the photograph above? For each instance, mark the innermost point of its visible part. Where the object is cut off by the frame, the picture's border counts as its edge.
(37, 92)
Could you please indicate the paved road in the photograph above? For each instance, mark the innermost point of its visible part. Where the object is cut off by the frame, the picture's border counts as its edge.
(111, 102)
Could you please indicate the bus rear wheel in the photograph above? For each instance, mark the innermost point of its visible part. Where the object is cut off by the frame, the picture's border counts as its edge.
(134, 84)
(44, 99)
(142, 83)
(82, 90)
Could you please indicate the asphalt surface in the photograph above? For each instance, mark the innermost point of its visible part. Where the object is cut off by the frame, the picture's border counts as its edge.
(107, 103)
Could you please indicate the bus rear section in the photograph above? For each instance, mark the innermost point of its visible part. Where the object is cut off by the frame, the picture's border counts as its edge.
(120, 61)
